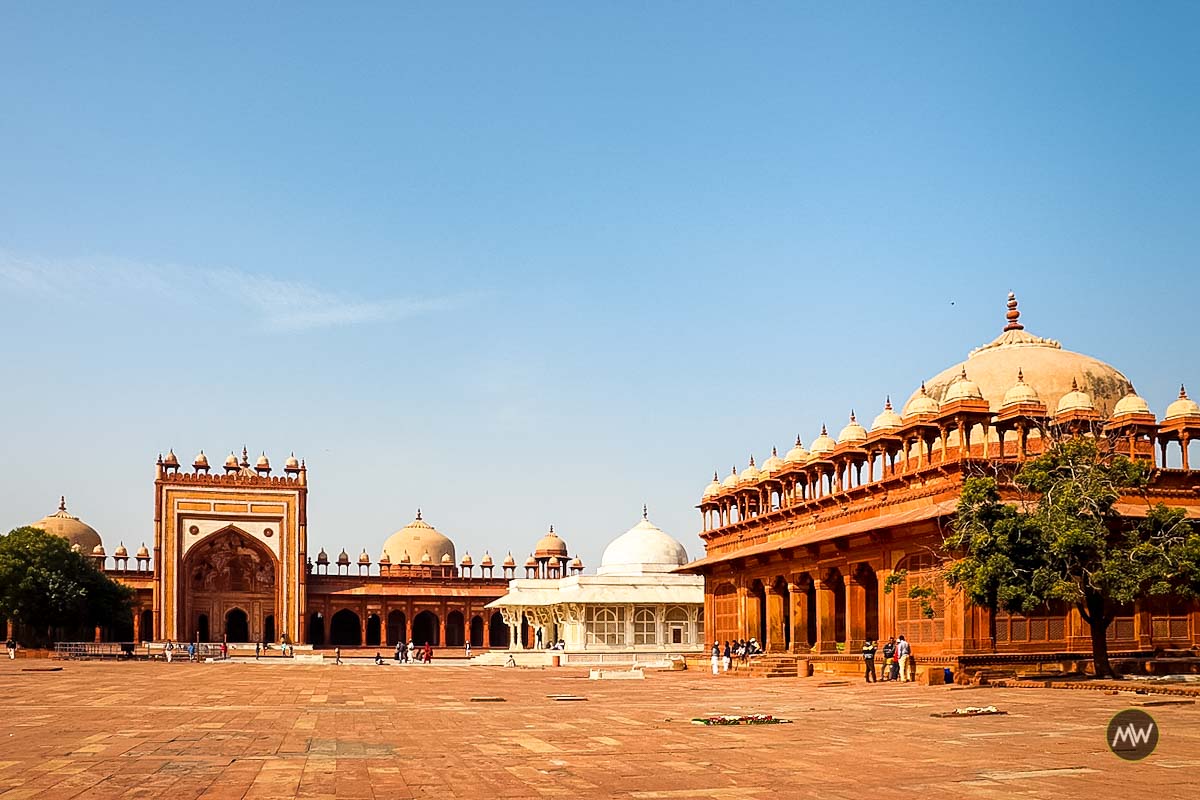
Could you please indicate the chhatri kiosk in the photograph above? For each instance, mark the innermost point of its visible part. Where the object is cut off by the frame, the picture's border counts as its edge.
(634, 609)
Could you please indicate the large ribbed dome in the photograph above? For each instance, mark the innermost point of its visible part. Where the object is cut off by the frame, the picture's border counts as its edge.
(643, 548)
(70, 528)
(1045, 365)
(418, 538)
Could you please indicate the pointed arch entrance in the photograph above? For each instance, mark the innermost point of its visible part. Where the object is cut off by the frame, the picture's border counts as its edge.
(425, 629)
(230, 570)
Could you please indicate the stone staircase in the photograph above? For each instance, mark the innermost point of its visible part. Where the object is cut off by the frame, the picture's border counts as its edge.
(768, 666)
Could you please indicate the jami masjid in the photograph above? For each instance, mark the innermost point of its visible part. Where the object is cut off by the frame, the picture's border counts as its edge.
(798, 549)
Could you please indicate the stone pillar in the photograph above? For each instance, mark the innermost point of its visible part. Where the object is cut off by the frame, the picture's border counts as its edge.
(826, 618)
(775, 636)
(362, 624)
(743, 597)
(856, 615)
(798, 597)
(487, 628)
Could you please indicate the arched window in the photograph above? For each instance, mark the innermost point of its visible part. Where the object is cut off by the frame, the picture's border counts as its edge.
(606, 625)
(678, 630)
(924, 570)
(645, 626)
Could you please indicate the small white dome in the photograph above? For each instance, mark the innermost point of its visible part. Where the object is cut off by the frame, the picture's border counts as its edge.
(731, 480)
(1183, 407)
(1131, 403)
(751, 473)
(773, 463)
(643, 548)
(962, 389)
(1021, 392)
(853, 433)
(822, 445)
(797, 455)
(888, 419)
(1075, 400)
(713, 489)
(920, 403)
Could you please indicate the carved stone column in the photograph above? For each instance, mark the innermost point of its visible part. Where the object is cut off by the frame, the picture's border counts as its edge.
(826, 618)
(775, 635)
(798, 596)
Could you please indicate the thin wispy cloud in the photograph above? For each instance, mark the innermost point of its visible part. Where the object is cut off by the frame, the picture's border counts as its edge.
(267, 302)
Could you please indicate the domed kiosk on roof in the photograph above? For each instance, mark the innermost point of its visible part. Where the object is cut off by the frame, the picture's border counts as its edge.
(419, 536)
(69, 527)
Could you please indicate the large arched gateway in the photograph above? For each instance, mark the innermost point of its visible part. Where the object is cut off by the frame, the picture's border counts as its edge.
(229, 593)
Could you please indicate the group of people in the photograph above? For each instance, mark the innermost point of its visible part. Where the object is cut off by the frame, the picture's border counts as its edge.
(193, 651)
(409, 653)
(898, 661)
(739, 649)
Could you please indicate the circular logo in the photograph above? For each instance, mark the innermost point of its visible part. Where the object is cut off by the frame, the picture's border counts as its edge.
(194, 531)
(267, 532)
(1132, 734)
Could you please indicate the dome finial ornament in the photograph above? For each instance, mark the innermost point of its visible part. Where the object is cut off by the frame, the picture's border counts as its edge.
(1013, 316)
(1182, 392)
(752, 459)
(62, 502)
(418, 513)
(645, 513)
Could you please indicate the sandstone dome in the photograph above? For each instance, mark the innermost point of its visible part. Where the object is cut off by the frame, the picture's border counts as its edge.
(70, 528)
(1045, 365)
(419, 536)
(550, 546)
(644, 548)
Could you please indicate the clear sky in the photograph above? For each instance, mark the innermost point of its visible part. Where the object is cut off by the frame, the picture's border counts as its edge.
(522, 264)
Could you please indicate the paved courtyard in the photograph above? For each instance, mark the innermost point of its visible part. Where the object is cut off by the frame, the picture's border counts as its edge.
(234, 730)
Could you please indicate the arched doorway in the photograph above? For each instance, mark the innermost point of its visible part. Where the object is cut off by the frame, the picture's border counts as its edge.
(237, 626)
(780, 587)
(454, 629)
(373, 631)
(202, 628)
(497, 631)
(146, 628)
(868, 583)
(476, 631)
(838, 584)
(269, 628)
(316, 629)
(344, 630)
(757, 611)
(226, 570)
(425, 629)
(396, 627)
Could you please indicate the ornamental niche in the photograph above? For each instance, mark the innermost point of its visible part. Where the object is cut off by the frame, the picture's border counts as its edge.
(227, 563)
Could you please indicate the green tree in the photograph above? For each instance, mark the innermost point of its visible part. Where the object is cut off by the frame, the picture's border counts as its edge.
(1067, 542)
(48, 587)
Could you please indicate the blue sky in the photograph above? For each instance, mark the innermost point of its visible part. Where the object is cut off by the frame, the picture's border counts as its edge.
(522, 264)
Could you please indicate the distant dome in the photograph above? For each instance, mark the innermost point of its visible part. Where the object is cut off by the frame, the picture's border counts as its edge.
(343, 557)
(263, 462)
(1021, 392)
(1047, 367)
(1075, 400)
(644, 548)
(121, 551)
(1131, 403)
(920, 403)
(363, 558)
(962, 389)
(1183, 407)
(419, 536)
(550, 546)
(853, 433)
(201, 461)
(171, 460)
(487, 559)
(509, 561)
(322, 557)
(713, 489)
(385, 559)
(731, 481)
(447, 559)
(797, 455)
(70, 528)
(98, 550)
(467, 561)
(750, 474)
(530, 562)
(231, 462)
(142, 552)
(426, 558)
(888, 419)
(773, 463)
(823, 445)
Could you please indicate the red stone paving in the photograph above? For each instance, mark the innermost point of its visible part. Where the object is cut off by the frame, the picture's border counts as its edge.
(281, 730)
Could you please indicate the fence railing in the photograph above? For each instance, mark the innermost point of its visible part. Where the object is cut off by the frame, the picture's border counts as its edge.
(85, 651)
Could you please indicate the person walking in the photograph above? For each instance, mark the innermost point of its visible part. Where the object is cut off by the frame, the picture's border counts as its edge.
(468, 646)
(428, 653)
(889, 655)
(337, 655)
(224, 651)
(728, 657)
(11, 645)
(716, 657)
(903, 656)
(868, 654)
(191, 651)
(169, 650)
(257, 650)
(412, 652)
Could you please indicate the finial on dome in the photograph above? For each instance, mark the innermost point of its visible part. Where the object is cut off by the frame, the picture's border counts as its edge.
(797, 440)
(1020, 375)
(245, 457)
(62, 502)
(924, 391)
(963, 374)
(752, 459)
(852, 419)
(1074, 385)
(774, 452)
(552, 529)
(823, 431)
(1182, 392)
(418, 513)
(645, 513)
(715, 478)
(1013, 315)
(887, 403)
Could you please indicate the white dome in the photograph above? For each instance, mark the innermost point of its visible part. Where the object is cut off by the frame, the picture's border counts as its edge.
(643, 548)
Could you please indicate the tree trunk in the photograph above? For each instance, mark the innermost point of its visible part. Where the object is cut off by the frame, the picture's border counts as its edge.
(1098, 622)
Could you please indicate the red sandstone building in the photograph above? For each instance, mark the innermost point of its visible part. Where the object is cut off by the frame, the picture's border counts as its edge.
(799, 549)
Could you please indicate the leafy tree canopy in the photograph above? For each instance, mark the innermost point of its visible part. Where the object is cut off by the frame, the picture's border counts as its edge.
(1068, 542)
(44, 584)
